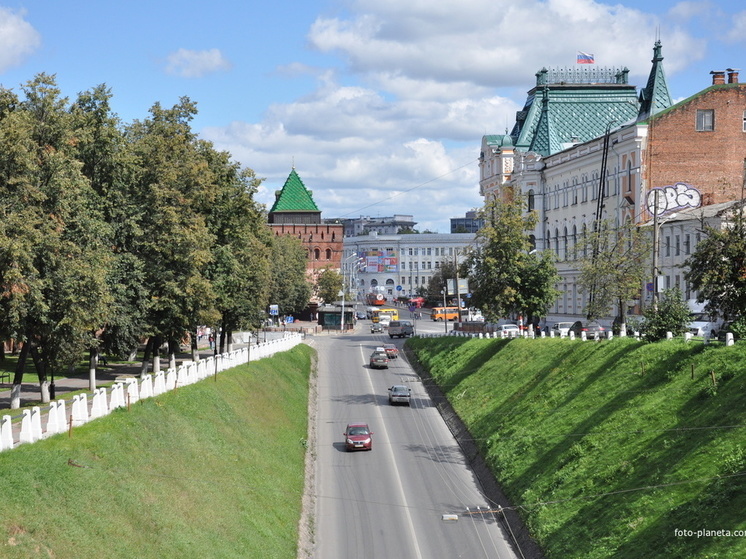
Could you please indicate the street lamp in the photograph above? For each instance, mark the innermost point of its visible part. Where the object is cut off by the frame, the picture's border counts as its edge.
(656, 210)
(445, 312)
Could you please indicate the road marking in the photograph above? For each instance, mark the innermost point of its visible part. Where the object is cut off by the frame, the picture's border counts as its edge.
(393, 462)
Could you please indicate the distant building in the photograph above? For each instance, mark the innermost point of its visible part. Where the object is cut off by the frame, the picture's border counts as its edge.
(398, 265)
(381, 225)
(470, 223)
(295, 213)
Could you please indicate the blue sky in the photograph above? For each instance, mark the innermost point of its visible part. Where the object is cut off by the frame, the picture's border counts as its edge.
(380, 104)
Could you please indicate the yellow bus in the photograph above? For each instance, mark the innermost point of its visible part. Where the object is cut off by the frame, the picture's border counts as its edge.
(444, 313)
(377, 313)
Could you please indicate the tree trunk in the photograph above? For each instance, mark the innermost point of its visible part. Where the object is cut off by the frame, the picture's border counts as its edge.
(15, 393)
(194, 348)
(92, 364)
(157, 342)
(173, 347)
(41, 371)
(146, 357)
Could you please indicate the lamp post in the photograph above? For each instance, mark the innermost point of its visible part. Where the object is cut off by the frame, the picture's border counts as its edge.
(656, 210)
(445, 313)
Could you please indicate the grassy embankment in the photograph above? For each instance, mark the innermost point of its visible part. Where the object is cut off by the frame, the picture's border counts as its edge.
(214, 469)
(608, 448)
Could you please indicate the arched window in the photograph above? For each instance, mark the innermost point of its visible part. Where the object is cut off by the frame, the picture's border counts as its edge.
(316, 254)
(574, 242)
(556, 242)
(564, 244)
(328, 254)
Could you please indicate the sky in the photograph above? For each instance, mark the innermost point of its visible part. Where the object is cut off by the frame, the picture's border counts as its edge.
(380, 105)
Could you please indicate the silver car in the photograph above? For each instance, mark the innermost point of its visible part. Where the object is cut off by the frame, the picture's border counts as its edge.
(399, 394)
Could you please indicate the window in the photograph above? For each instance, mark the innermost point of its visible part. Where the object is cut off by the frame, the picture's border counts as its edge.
(687, 245)
(705, 120)
(744, 121)
(403, 265)
(668, 246)
(531, 192)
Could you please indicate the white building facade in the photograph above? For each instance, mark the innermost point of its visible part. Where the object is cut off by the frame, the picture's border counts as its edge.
(399, 265)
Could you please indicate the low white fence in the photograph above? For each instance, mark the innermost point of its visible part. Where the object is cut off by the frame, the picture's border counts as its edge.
(607, 335)
(130, 390)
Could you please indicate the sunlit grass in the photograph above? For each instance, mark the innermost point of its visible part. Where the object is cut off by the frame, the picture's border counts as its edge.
(214, 469)
(607, 448)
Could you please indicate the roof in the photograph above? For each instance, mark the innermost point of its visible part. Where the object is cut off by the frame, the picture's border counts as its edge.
(655, 97)
(294, 196)
(572, 106)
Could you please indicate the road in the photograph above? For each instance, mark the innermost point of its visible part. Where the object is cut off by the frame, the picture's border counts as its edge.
(391, 501)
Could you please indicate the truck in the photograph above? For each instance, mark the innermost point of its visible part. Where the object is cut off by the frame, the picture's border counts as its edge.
(400, 329)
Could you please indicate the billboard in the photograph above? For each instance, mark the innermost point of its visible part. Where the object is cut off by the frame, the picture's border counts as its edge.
(379, 261)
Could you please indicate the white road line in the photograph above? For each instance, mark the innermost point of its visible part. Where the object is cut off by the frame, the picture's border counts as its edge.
(393, 462)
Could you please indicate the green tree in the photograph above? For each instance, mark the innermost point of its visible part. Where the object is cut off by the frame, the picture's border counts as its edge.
(174, 187)
(506, 277)
(54, 251)
(289, 285)
(613, 268)
(240, 266)
(717, 269)
(328, 285)
(671, 315)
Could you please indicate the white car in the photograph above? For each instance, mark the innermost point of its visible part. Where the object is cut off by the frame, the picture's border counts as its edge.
(702, 326)
(561, 328)
(508, 330)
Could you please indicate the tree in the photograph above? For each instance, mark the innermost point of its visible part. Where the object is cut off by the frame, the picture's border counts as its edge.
(506, 277)
(289, 285)
(614, 268)
(671, 315)
(717, 269)
(328, 285)
(439, 280)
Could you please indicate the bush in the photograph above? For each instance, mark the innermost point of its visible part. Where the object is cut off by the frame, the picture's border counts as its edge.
(671, 315)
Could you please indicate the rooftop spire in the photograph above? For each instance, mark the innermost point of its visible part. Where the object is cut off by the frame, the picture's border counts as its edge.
(655, 97)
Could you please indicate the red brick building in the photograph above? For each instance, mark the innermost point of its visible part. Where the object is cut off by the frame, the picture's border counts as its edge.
(701, 140)
(295, 213)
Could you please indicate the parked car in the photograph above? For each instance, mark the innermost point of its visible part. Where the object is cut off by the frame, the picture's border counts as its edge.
(702, 325)
(392, 352)
(508, 330)
(358, 436)
(400, 329)
(591, 328)
(561, 328)
(400, 394)
(376, 328)
(379, 360)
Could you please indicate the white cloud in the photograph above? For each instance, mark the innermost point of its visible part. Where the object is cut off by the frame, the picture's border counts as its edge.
(737, 31)
(396, 126)
(18, 39)
(196, 64)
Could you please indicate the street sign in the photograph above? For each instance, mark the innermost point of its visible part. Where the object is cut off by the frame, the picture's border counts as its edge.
(274, 310)
(399, 288)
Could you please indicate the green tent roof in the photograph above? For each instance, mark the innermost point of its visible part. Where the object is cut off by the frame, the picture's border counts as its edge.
(294, 196)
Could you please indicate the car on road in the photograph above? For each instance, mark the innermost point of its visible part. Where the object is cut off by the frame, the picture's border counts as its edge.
(384, 320)
(508, 330)
(400, 394)
(591, 329)
(360, 315)
(561, 328)
(376, 328)
(379, 360)
(400, 329)
(392, 352)
(358, 436)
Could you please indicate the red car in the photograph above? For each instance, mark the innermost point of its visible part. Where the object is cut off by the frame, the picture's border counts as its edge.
(392, 352)
(358, 437)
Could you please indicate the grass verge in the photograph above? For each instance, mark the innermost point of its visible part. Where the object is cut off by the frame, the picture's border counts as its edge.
(214, 469)
(620, 449)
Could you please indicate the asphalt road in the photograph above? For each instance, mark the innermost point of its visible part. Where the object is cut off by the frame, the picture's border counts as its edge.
(390, 502)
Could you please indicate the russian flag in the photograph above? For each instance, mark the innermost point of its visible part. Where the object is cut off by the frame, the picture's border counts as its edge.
(585, 58)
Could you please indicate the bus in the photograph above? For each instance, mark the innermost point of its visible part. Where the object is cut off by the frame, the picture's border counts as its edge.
(445, 313)
(393, 314)
(375, 299)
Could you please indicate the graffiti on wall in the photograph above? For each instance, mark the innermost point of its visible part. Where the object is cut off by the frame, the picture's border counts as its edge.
(666, 199)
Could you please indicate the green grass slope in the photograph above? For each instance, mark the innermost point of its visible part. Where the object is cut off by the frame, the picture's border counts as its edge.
(613, 449)
(214, 469)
